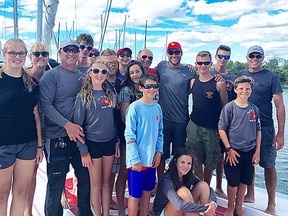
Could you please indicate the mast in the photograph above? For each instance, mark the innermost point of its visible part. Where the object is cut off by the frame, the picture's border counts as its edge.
(15, 16)
(39, 19)
(124, 29)
(145, 39)
(49, 21)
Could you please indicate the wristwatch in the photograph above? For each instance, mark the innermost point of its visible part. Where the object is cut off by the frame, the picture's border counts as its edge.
(41, 147)
(228, 149)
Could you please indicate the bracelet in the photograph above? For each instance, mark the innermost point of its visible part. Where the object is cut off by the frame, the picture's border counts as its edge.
(231, 150)
(41, 147)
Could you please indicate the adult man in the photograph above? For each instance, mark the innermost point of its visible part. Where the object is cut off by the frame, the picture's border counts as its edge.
(266, 87)
(58, 90)
(145, 56)
(222, 57)
(86, 43)
(202, 131)
(174, 92)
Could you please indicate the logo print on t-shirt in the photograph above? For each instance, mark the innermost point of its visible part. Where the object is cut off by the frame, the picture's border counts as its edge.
(252, 117)
(209, 95)
(157, 118)
(104, 102)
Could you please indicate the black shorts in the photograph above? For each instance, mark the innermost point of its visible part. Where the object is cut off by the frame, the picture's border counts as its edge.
(100, 149)
(24, 151)
(242, 172)
(175, 133)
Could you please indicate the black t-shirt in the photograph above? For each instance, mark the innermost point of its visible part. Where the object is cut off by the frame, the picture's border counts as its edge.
(17, 120)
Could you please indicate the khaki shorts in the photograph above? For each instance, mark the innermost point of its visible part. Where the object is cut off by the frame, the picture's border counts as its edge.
(204, 145)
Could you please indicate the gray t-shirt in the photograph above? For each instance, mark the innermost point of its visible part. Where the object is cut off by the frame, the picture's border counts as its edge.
(266, 84)
(97, 122)
(58, 90)
(83, 69)
(174, 91)
(241, 125)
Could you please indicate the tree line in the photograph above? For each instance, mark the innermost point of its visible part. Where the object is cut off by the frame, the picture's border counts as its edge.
(276, 64)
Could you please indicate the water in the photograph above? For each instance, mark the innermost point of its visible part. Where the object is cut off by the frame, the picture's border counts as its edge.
(282, 158)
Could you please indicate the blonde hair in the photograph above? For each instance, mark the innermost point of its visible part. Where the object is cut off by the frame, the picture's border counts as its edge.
(27, 80)
(39, 46)
(87, 89)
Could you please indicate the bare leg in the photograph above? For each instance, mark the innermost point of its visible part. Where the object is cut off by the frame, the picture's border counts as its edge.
(20, 187)
(64, 201)
(144, 203)
(31, 192)
(161, 169)
(219, 174)
(5, 186)
(132, 206)
(249, 197)
(207, 175)
(270, 180)
(231, 197)
(121, 182)
(113, 204)
(199, 172)
(239, 199)
(106, 192)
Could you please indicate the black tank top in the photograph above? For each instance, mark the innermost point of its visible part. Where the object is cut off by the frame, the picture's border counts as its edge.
(206, 104)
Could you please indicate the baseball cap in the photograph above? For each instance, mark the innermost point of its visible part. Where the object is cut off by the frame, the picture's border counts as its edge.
(68, 42)
(174, 45)
(122, 49)
(257, 49)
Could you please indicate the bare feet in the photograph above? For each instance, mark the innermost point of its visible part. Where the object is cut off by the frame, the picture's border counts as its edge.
(113, 205)
(229, 212)
(248, 199)
(64, 201)
(219, 192)
(271, 211)
(239, 213)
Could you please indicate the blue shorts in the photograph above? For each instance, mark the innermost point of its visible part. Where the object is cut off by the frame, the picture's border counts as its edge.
(242, 172)
(138, 182)
(267, 149)
(24, 151)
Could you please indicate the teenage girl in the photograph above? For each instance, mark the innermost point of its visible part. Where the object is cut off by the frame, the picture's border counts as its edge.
(20, 125)
(94, 111)
(129, 92)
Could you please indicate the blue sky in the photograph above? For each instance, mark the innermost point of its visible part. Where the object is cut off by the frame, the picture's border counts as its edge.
(197, 25)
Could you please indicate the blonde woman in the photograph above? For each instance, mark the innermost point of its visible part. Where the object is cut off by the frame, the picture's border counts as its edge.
(39, 57)
(20, 133)
(94, 111)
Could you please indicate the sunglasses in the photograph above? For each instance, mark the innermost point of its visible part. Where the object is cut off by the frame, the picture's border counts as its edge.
(113, 63)
(14, 54)
(150, 86)
(93, 54)
(37, 54)
(82, 47)
(69, 50)
(125, 54)
(149, 57)
(255, 56)
(96, 71)
(205, 63)
(172, 52)
(226, 57)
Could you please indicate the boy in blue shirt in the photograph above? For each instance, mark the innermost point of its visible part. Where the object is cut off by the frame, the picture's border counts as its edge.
(240, 130)
(144, 145)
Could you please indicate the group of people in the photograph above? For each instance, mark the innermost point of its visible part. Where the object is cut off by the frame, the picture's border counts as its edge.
(104, 113)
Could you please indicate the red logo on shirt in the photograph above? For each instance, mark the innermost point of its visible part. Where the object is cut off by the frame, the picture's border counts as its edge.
(157, 118)
(252, 115)
(105, 102)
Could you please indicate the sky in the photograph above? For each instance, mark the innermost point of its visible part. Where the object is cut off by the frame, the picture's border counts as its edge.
(196, 24)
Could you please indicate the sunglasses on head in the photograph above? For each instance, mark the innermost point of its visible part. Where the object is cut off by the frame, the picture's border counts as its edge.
(69, 50)
(205, 63)
(255, 56)
(149, 57)
(226, 57)
(150, 86)
(21, 54)
(96, 71)
(172, 52)
(94, 54)
(125, 54)
(82, 47)
(113, 63)
(37, 54)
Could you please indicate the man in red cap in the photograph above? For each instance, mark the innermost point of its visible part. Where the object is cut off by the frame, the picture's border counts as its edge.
(174, 92)
(124, 56)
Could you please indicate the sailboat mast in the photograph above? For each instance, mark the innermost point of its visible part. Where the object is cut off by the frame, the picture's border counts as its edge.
(145, 39)
(15, 16)
(39, 19)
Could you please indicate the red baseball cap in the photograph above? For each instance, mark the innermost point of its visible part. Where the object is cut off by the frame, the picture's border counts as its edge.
(122, 49)
(174, 45)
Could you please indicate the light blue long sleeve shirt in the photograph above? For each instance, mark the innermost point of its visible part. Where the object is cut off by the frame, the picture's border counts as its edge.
(143, 133)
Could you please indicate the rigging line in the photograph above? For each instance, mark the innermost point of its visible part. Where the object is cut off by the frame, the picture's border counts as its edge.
(105, 23)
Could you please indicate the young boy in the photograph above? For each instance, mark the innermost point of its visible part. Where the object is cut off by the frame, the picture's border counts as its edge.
(240, 131)
(144, 145)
